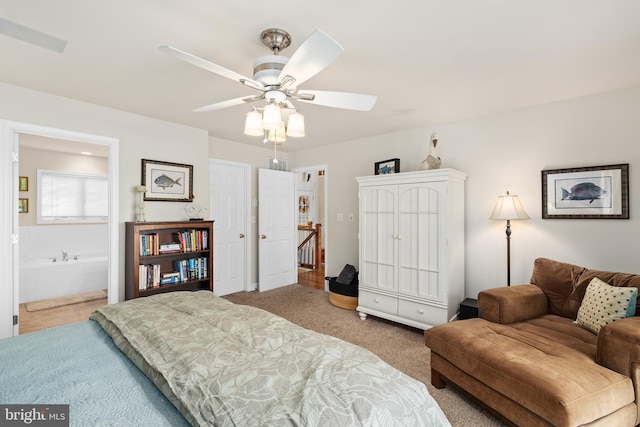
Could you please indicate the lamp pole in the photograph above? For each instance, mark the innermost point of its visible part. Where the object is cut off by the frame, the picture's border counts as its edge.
(508, 207)
(508, 231)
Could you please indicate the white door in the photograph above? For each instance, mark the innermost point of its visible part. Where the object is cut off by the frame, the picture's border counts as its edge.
(228, 183)
(379, 237)
(277, 227)
(420, 239)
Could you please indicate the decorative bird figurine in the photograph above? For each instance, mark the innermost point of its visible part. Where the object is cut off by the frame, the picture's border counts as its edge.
(432, 161)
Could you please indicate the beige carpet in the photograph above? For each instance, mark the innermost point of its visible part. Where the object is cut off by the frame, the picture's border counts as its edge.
(400, 346)
(62, 301)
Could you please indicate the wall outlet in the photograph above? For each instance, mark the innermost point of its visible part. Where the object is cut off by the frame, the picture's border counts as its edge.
(340, 217)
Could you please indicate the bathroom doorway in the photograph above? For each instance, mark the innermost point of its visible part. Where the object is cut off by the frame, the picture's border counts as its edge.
(56, 139)
(63, 228)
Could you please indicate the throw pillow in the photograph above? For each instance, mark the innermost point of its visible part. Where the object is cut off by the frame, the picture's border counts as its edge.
(603, 304)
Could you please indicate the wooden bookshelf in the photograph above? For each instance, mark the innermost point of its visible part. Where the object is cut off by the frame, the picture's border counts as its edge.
(168, 256)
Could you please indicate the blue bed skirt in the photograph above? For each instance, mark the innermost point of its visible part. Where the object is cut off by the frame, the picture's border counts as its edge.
(79, 365)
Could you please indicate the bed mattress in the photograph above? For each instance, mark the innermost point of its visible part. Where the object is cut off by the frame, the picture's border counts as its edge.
(79, 365)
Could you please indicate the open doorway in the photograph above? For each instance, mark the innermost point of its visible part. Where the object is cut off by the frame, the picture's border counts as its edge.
(10, 137)
(63, 230)
(312, 231)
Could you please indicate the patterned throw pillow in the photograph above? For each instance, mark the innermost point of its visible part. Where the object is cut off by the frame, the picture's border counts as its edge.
(603, 304)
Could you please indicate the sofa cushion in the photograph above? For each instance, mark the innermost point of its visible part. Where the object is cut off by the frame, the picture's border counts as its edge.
(565, 284)
(604, 304)
(558, 280)
(545, 364)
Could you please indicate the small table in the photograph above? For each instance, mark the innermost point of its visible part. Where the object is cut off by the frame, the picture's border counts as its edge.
(469, 309)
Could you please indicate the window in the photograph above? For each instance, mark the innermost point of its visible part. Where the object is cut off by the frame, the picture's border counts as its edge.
(68, 197)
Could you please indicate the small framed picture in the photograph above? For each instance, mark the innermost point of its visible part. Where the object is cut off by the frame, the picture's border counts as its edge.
(23, 205)
(168, 182)
(23, 183)
(387, 166)
(595, 192)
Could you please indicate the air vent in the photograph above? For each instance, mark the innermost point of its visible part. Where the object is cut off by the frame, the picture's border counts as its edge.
(281, 165)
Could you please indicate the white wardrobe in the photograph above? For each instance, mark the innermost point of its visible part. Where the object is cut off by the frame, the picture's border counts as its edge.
(412, 246)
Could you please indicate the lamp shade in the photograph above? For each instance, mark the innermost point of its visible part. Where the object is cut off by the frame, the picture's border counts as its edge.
(271, 117)
(295, 125)
(253, 124)
(277, 135)
(509, 207)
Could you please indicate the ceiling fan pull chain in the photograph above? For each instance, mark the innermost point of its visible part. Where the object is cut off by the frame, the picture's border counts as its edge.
(275, 152)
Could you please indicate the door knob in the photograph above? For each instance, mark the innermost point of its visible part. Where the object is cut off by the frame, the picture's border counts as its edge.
(241, 236)
(262, 236)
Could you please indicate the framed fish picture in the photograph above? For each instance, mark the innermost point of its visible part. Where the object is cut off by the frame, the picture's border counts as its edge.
(167, 182)
(595, 192)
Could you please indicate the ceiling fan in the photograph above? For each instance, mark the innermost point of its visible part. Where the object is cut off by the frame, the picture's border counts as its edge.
(277, 77)
(29, 35)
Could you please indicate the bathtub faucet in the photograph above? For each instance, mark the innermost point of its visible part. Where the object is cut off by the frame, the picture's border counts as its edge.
(65, 255)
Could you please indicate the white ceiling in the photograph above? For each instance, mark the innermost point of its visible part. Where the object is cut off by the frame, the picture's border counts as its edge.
(428, 61)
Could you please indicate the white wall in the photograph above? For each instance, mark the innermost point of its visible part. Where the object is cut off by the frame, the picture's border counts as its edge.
(502, 152)
(507, 152)
(139, 137)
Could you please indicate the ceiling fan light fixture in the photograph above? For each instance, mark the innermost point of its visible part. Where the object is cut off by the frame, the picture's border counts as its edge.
(277, 78)
(271, 117)
(295, 125)
(253, 124)
(278, 136)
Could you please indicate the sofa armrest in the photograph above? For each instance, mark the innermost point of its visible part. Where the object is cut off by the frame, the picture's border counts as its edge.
(619, 346)
(619, 350)
(512, 304)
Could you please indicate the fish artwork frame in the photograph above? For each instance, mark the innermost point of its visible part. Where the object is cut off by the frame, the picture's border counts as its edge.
(386, 167)
(594, 192)
(166, 181)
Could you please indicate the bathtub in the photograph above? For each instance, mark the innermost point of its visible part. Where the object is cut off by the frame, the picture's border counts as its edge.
(44, 278)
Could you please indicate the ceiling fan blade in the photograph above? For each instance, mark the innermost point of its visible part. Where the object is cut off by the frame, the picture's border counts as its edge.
(228, 103)
(346, 100)
(314, 54)
(32, 36)
(210, 66)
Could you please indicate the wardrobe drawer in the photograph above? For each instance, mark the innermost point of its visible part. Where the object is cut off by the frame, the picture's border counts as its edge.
(383, 303)
(421, 312)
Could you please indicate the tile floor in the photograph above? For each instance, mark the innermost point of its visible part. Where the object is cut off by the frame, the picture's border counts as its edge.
(31, 321)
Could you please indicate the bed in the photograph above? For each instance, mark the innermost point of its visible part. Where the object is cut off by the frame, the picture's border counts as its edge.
(186, 358)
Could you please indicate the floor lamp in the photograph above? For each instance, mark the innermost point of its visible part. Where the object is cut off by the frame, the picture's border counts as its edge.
(508, 207)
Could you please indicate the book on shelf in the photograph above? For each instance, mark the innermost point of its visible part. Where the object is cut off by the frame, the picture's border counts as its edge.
(169, 280)
(148, 276)
(192, 269)
(170, 247)
(149, 244)
(170, 275)
(193, 240)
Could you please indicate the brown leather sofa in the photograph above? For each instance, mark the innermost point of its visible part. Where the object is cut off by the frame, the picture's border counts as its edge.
(528, 360)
